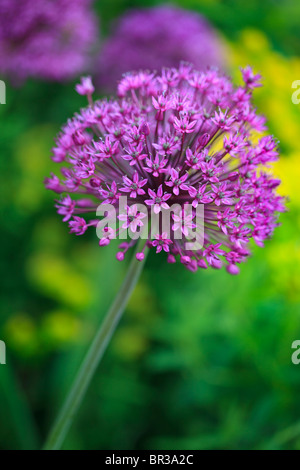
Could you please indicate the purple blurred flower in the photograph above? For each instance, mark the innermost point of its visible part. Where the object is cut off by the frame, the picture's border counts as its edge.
(46, 39)
(149, 39)
(204, 154)
(86, 86)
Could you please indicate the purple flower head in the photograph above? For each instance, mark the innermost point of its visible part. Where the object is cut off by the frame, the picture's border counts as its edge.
(155, 166)
(183, 221)
(149, 39)
(177, 182)
(46, 39)
(162, 242)
(133, 218)
(158, 199)
(134, 186)
(203, 156)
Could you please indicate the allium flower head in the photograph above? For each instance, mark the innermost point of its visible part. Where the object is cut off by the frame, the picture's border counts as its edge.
(149, 39)
(202, 153)
(45, 39)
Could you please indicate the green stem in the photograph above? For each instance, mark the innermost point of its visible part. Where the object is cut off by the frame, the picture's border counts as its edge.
(94, 355)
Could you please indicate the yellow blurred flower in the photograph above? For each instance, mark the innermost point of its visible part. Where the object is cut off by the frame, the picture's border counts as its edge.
(274, 99)
(288, 170)
(21, 334)
(54, 277)
(284, 259)
(130, 343)
(60, 327)
(255, 41)
(32, 152)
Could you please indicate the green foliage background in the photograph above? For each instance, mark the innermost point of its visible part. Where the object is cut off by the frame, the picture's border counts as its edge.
(200, 361)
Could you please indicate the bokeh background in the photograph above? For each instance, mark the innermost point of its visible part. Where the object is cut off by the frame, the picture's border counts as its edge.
(199, 361)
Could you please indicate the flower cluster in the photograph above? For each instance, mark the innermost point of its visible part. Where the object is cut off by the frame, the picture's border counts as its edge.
(183, 137)
(149, 39)
(45, 39)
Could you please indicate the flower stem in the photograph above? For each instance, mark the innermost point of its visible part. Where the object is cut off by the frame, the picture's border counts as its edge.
(94, 355)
